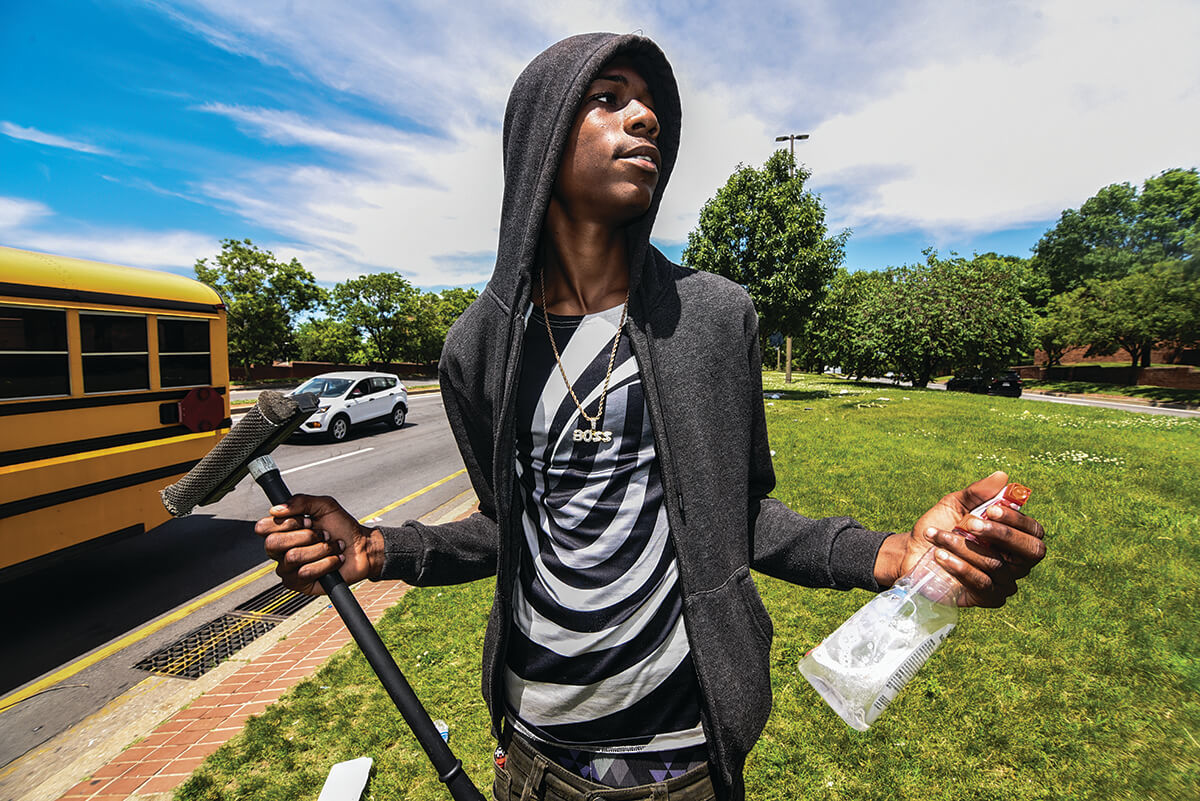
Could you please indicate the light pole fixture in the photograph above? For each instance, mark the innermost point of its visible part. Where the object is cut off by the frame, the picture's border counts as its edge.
(792, 139)
(787, 375)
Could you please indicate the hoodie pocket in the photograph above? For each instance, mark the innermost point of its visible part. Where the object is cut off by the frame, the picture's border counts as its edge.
(755, 607)
(731, 640)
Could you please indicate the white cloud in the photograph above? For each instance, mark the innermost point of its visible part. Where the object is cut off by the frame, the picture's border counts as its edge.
(986, 142)
(52, 140)
(401, 201)
(923, 116)
(32, 225)
(174, 251)
(15, 212)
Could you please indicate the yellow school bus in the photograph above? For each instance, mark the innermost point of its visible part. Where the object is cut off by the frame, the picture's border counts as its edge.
(113, 383)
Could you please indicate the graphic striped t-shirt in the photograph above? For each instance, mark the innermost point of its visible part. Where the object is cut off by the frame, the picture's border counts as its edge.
(598, 658)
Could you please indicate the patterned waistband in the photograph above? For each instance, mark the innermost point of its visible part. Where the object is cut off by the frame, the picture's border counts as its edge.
(621, 770)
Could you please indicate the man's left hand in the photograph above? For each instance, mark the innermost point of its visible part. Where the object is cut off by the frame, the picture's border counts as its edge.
(1009, 544)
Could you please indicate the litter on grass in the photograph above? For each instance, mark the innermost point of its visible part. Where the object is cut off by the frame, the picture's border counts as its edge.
(346, 780)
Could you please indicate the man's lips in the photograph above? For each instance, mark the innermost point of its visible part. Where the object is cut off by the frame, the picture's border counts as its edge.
(645, 156)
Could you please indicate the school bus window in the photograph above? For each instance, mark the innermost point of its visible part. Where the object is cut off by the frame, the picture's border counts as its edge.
(183, 356)
(33, 353)
(116, 356)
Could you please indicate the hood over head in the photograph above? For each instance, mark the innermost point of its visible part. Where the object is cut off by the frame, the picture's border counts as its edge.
(540, 114)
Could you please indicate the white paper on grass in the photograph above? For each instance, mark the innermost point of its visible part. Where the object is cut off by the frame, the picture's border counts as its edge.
(346, 780)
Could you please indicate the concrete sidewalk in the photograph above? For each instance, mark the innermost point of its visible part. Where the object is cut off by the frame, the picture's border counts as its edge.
(142, 746)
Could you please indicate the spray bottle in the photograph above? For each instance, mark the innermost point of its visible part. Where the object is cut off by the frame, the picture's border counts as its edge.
(862, 666)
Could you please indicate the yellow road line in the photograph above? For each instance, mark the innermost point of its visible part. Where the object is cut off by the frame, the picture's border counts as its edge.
(129, 639)
(408, 498)
(13, 699)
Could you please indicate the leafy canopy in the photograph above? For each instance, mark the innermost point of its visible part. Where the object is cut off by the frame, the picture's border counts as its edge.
(384, 306)
(921, 320)
(763, 231)
(1119, 231)
(263, 296)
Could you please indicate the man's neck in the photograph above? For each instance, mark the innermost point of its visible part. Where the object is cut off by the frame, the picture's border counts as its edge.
(585, 265)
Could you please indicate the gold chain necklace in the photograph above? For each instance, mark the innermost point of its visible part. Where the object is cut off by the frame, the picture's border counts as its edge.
(580, 434)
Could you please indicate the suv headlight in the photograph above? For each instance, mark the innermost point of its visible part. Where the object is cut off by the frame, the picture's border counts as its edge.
(323, 409)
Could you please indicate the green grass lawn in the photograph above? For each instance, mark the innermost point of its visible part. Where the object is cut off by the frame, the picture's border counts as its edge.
(1085, 686)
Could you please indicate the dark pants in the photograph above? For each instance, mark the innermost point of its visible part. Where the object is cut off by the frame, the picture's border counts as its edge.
(529, 776)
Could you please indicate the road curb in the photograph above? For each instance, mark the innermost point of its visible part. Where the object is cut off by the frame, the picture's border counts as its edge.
(1187, 407)
(163, 738)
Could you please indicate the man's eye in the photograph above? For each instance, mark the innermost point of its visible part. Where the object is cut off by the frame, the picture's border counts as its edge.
(605, 97)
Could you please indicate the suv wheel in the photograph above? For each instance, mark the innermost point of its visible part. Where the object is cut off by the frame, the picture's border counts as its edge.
(397, 418)
(339, 429)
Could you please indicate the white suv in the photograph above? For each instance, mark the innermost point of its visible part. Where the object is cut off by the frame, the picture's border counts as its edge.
(352, 398)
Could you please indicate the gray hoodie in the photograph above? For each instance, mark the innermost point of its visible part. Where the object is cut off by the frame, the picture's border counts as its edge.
(695, 337)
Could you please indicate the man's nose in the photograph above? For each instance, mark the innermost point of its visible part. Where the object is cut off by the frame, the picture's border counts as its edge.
(641, 120)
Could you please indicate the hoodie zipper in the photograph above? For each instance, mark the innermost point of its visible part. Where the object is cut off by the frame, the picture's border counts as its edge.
(504, 450)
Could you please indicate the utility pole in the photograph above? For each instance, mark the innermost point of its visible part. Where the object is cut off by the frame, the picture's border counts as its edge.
(791, 138)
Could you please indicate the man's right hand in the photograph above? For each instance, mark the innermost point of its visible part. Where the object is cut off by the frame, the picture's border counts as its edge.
(312, 535)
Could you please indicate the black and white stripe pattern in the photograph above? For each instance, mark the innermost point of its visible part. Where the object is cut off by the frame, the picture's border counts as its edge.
(598, 656)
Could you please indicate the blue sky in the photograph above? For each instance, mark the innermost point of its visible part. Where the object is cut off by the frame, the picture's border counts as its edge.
(364, 135)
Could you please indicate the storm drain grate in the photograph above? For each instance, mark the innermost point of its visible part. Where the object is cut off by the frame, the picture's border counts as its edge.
(203, 648)
(277, 603)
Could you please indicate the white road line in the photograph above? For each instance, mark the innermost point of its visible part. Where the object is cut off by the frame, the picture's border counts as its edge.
(1115, 405)
(325, 461)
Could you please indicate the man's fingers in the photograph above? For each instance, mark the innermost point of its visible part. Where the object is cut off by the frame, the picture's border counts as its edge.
(1018, 520)
(986, 589)
(298, 557)
(310, 505)
(976, 554)
(306, 578)
(984, 489)
(1015, 546)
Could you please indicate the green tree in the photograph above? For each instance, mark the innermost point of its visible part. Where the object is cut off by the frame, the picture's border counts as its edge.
(438, 313)
(764, 231)
(1120, 230)
(383, 306)
(327, 340)
(263, 297)
(845, 326)
(1061, 327)
(1139, 311)
(951, 314)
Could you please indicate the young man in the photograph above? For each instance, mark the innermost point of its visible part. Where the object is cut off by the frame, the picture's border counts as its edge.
(608, 406)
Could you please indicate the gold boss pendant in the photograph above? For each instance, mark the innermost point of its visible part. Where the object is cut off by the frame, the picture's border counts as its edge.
(592, 435)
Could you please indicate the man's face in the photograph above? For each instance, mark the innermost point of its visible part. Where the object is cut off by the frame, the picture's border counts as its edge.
(610, 167)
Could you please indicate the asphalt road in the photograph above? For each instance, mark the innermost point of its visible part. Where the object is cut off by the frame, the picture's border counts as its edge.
(1073, 400)
(88, 606)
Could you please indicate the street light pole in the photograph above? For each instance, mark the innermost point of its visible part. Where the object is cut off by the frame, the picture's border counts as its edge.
(791, 138)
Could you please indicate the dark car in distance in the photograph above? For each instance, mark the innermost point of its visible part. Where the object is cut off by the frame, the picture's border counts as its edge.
(1007, 383)
(969, 382)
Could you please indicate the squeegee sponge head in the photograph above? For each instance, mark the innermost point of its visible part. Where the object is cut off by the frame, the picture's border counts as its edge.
(227, 460)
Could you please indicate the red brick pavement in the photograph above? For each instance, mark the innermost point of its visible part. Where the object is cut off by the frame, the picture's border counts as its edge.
(162, 761)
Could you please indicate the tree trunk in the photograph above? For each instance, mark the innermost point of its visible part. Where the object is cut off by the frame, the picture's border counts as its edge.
(787, 377)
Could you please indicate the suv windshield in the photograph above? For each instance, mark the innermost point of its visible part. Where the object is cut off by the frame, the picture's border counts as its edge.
(325, 387)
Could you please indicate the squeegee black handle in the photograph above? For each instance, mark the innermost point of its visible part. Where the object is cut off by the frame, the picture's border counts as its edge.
(449, 768)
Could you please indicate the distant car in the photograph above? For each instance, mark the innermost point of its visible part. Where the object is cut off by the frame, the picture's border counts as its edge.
(969, 382)
(1008, 383)
(353, 398)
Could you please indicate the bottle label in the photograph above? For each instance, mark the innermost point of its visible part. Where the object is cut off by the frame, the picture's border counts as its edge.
(907, 669)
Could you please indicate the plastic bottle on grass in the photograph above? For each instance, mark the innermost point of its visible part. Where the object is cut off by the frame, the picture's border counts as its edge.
(862, 666)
